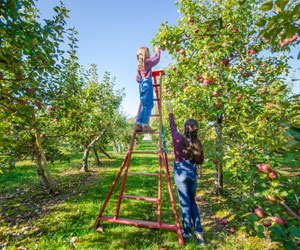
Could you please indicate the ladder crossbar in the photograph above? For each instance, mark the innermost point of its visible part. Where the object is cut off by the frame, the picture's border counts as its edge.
(148, 174)
(144, 152)
(139, 223)
(140, 198)
(147, 132)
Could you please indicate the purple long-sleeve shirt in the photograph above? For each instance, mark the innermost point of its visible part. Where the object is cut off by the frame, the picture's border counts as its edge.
(178, 142)
(149, 63)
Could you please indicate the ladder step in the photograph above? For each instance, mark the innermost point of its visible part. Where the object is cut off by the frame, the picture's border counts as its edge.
(155, 132)
(140, 223)
(156, 85)
(156, 99)
(149, 174)
(140, 198)
(154, 115)
(144, 152)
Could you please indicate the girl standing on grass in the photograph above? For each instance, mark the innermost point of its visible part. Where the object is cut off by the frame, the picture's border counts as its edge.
(188, 154)
(144, 78)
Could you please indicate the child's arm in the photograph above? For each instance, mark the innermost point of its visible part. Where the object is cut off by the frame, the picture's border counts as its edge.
(154, 60)
(174, 131)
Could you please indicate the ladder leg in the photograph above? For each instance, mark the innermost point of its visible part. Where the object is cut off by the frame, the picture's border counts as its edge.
(110, 191)
(179, 234)
(159, 189)
(123, 186)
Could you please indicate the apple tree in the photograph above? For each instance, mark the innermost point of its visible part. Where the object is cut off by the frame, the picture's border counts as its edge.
(224, 74)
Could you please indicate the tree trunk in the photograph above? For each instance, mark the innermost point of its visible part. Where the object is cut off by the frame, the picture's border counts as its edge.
(218, 188)
(95, 154)
(115, 147)
(84, 167)
(38, 142)
(104, 152)
(40, 169)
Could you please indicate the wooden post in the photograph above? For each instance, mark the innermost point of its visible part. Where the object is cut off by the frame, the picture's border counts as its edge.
(38, 143)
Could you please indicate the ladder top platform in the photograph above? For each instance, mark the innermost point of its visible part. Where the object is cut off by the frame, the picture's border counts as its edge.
(158, 73)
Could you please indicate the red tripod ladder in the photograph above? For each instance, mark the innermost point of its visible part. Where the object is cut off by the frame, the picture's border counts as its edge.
(163, 161)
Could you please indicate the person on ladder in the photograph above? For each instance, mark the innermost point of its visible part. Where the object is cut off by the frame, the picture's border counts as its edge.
(144, 78)
(188, 154)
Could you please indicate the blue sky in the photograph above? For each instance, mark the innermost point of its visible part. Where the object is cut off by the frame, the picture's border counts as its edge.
(110, 33)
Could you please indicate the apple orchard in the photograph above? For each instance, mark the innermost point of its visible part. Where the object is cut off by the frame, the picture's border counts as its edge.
(234, 81)
(230, 71)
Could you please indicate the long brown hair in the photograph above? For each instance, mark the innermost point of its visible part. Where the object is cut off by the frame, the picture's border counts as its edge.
(142, 54)
(192, 147)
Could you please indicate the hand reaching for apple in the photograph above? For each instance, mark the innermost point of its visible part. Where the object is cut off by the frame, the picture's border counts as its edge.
(170, 107)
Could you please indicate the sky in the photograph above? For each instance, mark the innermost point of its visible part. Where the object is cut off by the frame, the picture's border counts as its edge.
(110, 33)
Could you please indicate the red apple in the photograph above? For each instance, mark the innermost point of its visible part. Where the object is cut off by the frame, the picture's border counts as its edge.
(271, 198)
(218, 220)
(253, 51)
(56, 193)
(259, 212)
(239, 97)
(273, 175)
(232, 230)
(282, 44)
(215, 93)
(294, 38)
(182, 51)
(196, 31)
(270, 105)
(31, 90)
(299, 212)
(265, 168)
(280, 220)
(38, 105)
(266, 222)
(100, 229)
(224, 222)
(163, 48)
(241, 69)
(1, 75)
(267, 40)
(190, 19)
(215, 161)
(256, 206)
(19, 76)
(235, 30)
(174, 68)
(43, 135)
(198, 198)
(56, 120)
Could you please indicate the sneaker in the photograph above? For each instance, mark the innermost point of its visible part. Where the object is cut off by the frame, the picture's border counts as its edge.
(200, 240)
(138, 128)
(186, 237)
(148, 129)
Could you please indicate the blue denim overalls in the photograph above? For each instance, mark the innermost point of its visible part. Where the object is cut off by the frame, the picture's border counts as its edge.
(146, 96)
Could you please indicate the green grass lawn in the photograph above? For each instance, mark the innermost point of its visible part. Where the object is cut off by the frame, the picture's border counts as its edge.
(33, 219)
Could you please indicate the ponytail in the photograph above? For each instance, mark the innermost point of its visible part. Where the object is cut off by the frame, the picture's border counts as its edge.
(142, 54)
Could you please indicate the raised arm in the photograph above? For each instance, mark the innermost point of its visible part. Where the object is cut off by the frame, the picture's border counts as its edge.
(154, 60)
(174, 131)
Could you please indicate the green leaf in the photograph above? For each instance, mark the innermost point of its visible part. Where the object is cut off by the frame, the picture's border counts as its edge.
(261, 23)
(294, 232)
(290, 245)
(252, 217)
(267, 6)
(279, 5)
(295, 132)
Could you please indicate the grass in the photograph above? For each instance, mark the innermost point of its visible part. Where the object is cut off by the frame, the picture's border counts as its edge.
(33, 219)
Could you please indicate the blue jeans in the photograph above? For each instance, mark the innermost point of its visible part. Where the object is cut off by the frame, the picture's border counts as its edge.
(185, 175)
(146, 96)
